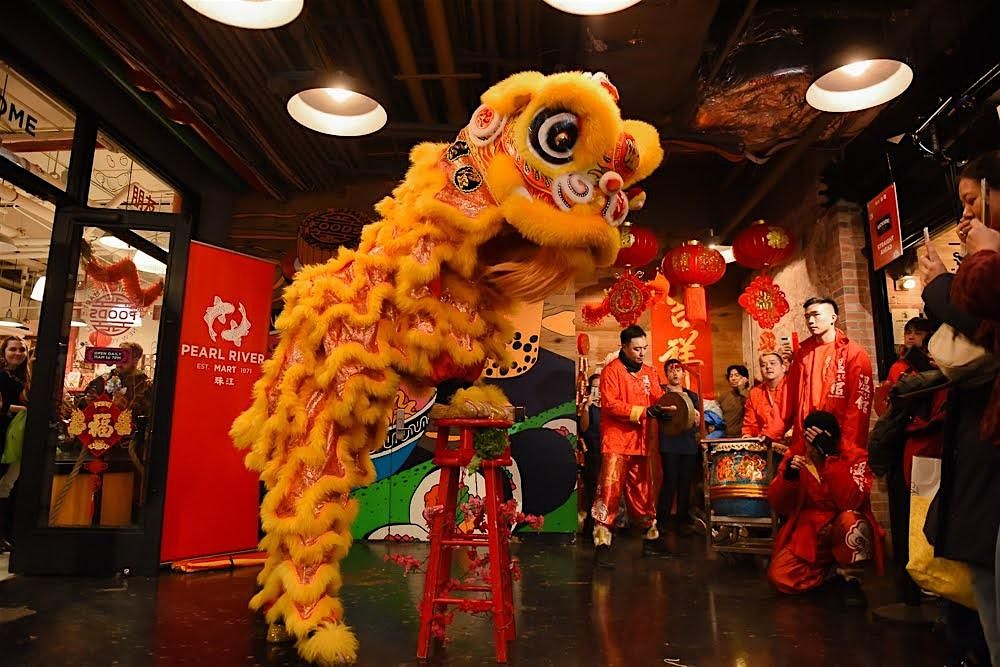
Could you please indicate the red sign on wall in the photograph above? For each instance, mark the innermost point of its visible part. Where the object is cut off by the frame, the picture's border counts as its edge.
(884, 227)
(675, 337)
(212, 500)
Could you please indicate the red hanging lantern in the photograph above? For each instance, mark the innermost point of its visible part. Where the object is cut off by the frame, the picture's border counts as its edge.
(639, 247)
(761, 245)
(694, 266)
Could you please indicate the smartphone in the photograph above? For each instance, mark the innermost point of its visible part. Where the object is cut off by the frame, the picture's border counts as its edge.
(984, 197)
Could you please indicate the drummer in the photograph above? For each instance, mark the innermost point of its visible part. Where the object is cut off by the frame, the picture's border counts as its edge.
(765, 398)
(678, 455)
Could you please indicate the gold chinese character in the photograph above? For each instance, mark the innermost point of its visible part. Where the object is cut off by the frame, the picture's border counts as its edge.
(100, 426)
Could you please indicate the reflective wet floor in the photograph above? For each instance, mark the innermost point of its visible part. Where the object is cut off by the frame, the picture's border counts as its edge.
(690, 610)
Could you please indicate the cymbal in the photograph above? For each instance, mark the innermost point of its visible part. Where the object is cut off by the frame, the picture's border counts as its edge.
(682, 419)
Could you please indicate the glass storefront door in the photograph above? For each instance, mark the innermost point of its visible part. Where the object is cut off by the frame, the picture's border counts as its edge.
(102, 392)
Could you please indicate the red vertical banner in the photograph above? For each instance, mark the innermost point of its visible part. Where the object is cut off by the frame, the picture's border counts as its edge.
(884, 226)
(676, 337)
(212, 500)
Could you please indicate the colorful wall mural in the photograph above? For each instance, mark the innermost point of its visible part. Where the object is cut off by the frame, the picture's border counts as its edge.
(543, 477)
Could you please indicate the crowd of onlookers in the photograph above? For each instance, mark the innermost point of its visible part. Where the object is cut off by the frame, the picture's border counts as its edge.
(940, 402)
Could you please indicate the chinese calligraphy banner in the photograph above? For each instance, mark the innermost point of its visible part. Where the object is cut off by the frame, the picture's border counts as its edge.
(675, 337)
(212, 500)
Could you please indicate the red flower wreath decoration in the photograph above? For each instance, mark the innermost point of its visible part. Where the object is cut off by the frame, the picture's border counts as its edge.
(125, 273)
(764, 301)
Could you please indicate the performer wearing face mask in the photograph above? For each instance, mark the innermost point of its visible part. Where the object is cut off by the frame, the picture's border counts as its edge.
(825, 496)
(830, 373)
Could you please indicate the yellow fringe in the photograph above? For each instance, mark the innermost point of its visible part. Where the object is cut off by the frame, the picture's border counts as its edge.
(417, 288)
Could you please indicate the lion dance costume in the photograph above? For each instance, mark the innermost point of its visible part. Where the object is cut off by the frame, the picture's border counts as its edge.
(531, 193)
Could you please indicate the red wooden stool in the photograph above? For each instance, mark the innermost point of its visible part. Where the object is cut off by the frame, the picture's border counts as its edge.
(497, 595)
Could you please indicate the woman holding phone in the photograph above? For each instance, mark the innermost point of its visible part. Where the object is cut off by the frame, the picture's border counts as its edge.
(968, 501)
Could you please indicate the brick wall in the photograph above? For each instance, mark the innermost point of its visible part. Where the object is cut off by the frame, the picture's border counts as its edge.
(853, 295)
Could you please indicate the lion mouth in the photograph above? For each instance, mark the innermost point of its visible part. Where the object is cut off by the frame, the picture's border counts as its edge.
(526, 271)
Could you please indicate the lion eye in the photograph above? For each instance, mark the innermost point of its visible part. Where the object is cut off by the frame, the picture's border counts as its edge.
(553, 134)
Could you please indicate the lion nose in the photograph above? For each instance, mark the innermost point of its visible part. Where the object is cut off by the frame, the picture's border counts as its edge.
(611, 182)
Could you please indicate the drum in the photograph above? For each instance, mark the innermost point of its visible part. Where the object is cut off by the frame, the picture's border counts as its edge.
(681, 420)
(738, 477)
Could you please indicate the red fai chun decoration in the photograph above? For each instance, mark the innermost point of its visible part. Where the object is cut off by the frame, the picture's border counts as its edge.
(761, 245)
(125, 274)
(639, 247)
(99, 426)
(768, 342)
(694, 266)
(764, 301)
(626, 300)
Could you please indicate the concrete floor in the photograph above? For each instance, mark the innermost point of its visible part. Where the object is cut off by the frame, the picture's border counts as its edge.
(691, 610)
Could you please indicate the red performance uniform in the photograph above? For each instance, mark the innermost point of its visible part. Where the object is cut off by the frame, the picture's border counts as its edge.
(762, 405)
(626, 467)
(829, 521)
(834, 377)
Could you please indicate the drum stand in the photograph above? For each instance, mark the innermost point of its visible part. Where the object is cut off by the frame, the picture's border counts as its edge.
(732, 534)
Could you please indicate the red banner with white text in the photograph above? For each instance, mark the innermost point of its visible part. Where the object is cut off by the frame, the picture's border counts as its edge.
(675, 337)
(212, 500)
(885, 227)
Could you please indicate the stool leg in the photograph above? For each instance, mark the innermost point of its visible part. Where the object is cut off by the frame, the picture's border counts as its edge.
(439, 561)
(508, 583)
(501, 618)
(506, 561)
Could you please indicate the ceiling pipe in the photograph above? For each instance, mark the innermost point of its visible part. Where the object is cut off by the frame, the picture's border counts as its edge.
(789, 159)
(775, 174)
(438, 23)
(404, 55)
(104, 58)
(11, 197)
(18, 256)
(734, 37)
(31, 243)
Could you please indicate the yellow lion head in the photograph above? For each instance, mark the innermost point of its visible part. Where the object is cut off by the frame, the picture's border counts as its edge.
(554, 157)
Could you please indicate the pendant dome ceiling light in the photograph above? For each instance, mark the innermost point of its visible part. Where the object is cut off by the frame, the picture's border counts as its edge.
(591, 7)
(252, 14)
(859, 72)
(337, 110)
(858, 85)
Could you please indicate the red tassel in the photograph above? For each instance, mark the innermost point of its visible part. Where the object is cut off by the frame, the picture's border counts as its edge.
(694, 303)
(594, 313)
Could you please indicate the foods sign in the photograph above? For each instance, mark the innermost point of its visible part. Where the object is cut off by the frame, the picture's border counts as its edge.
(109, 312)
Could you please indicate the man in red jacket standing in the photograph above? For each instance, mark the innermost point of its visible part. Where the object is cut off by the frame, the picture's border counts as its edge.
(825, 496)
(829, 373)
(629, 389)
(767, 397)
